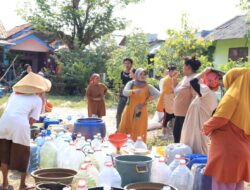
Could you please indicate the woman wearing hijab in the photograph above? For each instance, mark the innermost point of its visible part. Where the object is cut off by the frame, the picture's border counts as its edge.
(95, 94)
(184, 95)
(229, 130)
(23, 109)
(200, 110)
(135, 116)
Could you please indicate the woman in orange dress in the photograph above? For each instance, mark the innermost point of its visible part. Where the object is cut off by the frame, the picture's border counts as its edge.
(135, 116)
(166, 101)
(95, 94)
(229, 130)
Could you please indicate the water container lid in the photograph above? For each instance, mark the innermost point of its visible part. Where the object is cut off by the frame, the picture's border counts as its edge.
(162, 160)
(139, 138)
(182, 162)
(79, 135)
(177, 157)
(98, 134)
(89, 140)
(48, 138)
(82, 184)
(109, 164)
(83, 167)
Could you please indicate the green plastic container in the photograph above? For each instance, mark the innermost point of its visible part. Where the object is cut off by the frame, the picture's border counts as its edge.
(133, 168)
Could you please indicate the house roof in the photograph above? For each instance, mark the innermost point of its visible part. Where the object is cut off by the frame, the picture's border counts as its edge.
(27, 36)
(17, 29)
(232, 29)
(3, 32)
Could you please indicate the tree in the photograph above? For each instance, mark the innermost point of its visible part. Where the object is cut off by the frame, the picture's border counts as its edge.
(78, 65)
(77, 22)
(136, 47)
(182, 43)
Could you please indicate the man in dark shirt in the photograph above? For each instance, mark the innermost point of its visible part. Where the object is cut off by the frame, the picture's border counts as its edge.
(125, 78)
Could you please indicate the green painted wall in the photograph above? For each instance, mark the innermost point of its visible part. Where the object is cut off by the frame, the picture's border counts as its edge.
(222, 49)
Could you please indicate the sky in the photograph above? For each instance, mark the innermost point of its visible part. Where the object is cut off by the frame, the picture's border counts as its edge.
(155, 16)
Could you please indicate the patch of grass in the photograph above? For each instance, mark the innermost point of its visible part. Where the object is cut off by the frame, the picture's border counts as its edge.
(76, 101)
(155, 140)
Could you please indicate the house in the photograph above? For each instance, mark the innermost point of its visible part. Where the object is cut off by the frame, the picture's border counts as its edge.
(230, 40)
(31, 47)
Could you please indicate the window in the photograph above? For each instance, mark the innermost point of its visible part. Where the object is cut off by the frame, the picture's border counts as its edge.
(238, 53)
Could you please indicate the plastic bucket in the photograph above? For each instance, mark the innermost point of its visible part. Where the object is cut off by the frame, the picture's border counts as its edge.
(147, 186)
(133, 168)
(50, 186)
(89, 127)
(58, 175)
(47, 122)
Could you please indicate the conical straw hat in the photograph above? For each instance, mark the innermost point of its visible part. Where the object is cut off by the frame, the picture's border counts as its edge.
(31, 84)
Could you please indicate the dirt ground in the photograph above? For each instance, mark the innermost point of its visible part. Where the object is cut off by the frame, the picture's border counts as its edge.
(63, 113)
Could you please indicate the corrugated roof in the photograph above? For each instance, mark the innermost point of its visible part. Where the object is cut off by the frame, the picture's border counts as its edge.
(17, 29)
(232, 29)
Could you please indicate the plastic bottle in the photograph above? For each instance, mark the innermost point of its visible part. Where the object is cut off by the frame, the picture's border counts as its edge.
(182, 177)
(82, 174)
(91, 169)
(139, 144)
(160, 172)
(175, 163)
(109, 176)
(48, 154)
(100, 157)
(95, 143)
(99, 137)
(130, 143)
(87, 147)
(82, 185)
(69, 161)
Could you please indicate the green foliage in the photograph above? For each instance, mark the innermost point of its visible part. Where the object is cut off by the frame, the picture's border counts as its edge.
(232, 64)
(136, 47)
(78, 22)
(180, 44)
(77, 66)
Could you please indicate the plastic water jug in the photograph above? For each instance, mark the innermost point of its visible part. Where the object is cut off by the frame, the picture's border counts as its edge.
(177, 148)
(160, 172)
(82, 174)
(109, 176)
(91, 169)
(139, 144)
(33, 161)
(48, 154)
(202, 182)
(130, 144)
(95, 143)
(100, 157)
(82, 185)
(182, 177)
(175, 163)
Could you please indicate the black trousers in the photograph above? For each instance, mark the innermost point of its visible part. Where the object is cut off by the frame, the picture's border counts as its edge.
(121, 105)
(177, 128)
(167, 117)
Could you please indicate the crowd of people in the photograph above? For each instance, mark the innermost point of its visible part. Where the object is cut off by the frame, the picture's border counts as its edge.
(190, 108)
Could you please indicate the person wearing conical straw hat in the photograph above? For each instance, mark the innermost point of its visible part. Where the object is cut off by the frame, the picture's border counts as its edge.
(23, 109)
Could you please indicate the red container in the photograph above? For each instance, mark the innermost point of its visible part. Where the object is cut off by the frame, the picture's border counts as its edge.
(118, 140)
